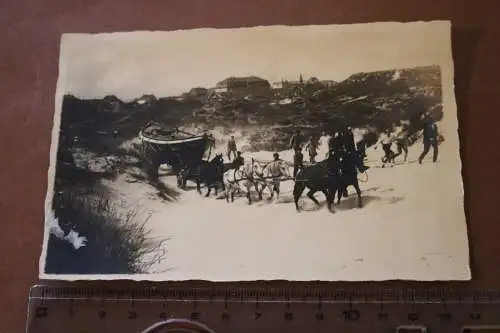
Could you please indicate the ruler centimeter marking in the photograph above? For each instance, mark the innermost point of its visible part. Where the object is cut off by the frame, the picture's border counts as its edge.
(263, 310)
(218, 300)
(304, 292)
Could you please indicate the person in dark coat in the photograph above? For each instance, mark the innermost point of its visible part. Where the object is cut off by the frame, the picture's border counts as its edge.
(348, 139)
(296, 141)
(430, 139)
(238, 161)
(335, 143)
(298, 162)
(361, 147)
(312, 148)
(402, 143)
(350, 148)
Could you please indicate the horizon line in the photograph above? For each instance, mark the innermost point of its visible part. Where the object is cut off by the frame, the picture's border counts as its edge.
(214, 86)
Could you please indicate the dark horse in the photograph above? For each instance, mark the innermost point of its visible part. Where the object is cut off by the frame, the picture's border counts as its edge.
(322, 176)
(348, 176)
(207, 172)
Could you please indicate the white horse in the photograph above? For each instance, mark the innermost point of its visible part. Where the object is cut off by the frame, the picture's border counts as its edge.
(270, 176)
(244, 176)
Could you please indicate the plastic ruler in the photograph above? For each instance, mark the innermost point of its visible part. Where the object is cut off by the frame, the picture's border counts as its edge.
(263, 310)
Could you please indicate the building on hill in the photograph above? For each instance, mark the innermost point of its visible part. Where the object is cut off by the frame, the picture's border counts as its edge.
(243, 86)
(328, 83)
(197, 93)
(278, 84)
(145, 99)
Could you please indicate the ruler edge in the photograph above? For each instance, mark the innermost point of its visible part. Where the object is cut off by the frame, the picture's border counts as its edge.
(265, 294)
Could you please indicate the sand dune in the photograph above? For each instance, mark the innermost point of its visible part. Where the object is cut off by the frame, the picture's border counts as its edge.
(411, 227)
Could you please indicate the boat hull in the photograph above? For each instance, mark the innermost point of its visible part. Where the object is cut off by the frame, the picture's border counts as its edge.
(178, 153)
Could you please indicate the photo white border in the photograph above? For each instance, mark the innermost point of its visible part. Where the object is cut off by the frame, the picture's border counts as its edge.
(449, 122)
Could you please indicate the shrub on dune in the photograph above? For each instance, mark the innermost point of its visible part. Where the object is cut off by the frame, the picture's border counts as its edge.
(118, 242)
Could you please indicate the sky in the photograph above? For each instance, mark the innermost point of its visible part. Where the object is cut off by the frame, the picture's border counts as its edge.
(131, 64)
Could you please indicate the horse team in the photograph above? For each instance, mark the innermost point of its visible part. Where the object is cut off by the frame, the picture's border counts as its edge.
(330, 176)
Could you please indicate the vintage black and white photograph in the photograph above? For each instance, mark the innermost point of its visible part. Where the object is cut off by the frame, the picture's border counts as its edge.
(326, 152)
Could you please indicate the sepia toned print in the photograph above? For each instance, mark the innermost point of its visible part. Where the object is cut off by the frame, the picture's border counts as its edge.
(294, 153)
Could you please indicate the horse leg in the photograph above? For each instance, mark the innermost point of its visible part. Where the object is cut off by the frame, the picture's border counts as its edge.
(198, 186)
(329, 194)
(270, 189)
(179, 181)
(230, 189)
(344, 184)
(264, 186)
(209, 187)
(298, 188)
(249, 195)
(259, 192)
(184, 180)
(358, 192)
(310, 194)
(339, 192)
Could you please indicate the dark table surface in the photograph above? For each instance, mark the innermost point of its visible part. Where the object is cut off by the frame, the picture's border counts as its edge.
(29, 46)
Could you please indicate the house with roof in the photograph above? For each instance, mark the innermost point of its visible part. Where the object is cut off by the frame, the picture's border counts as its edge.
(244, 86)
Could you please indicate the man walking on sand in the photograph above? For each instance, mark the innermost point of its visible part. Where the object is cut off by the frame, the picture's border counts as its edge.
(386, 139)
(298, 162)
(275, 168)
(231, 148)
(430, 139)
(296, 141)
(402, 143)
(312, 148)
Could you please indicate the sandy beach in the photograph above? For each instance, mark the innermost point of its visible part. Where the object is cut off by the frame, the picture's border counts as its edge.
(409, 228)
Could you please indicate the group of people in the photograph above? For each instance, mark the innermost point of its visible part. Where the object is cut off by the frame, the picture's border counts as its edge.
(430, 139)
(341, 143)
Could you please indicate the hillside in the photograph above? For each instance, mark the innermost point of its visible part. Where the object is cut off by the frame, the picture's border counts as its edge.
(374, 100)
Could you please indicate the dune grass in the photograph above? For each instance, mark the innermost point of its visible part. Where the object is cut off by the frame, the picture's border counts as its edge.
(118, 240)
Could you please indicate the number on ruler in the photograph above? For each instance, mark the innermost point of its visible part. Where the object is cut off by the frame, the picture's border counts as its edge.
(257, 315)
(320, 316)
(41, 312)
(101, 314)
(475, 316)
(351, 315)
(444, 316)
(383, 316)
(71, 311)
(413, 316)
